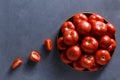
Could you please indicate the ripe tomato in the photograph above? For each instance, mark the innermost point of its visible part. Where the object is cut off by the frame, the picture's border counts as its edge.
(87, 61)
(79, 17)
(48, 44)
(67, 26)
(112, 45)
(70, 37)
(35, 56)
(89, 45)
(110, 29)
(95, 17)
(64, 59)
(95, 67)
(102, 57)
(99, 28)
(60, 44)
(83, 28)
(73, 53)
(77, 66)
(16, 63)
(105, 42)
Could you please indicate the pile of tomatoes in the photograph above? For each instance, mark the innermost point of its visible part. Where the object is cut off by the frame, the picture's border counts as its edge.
(86, 41)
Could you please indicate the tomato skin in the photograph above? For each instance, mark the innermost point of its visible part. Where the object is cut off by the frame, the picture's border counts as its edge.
(110, 29)
(95, 67)
(60, 44)
(83, 28)
(87, 61)
(67, 26)
(77, 66)
(64, 59)
(17, 63)
(99, 28)
(102, 57)
(70, 37)
(89, 45)
(48, 44)
(105, 42)
(73, 53)
(112, 45)
(35, 56)
(79, 17)
(95, 17)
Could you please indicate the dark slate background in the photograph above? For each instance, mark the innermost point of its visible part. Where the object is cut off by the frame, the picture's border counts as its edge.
(24, 24)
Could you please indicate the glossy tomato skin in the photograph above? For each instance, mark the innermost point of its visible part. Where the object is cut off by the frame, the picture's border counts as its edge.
(110, 29)
(95, 67)
(79, 17)
(78, 66)
(95, 17)
(112, 45)
(89, 45)
(73, 53)
(102, 57)
(34, 56)
(70, 37)
(87, 61)
(16, 63)
(83, 28)
(99, 28)
(105, 42)
(60, 44)
(64, 59)
(48, 44)
(67, 26)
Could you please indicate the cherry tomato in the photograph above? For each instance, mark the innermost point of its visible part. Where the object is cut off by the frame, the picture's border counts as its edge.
(105, 42)
(70, 37)
(87, 61)
(60, 44)
(89, 45)
(95, 67)
(102, 57)
(73, 53)
(79, 17)
(99, 28)
(64, 59)
(95, 17)
(83, 28)
(35, 56)
(16, 63)
(48, 44)
(112, 45)
(110, 29)
(77, 66)
(67, 26)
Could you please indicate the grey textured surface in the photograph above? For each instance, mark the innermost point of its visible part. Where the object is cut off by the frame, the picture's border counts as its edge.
(24, 24)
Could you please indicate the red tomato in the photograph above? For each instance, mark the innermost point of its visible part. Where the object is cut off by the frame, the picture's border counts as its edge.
(67, 26)
(99, 28)
(48, 44)
(110, 29)
(79, 17)
(64, 59)
(83, 28)
(35, 56)
(77, 66)
(95, 67)
(95, 17)
(112, 45)
(105, 42)
(87, 61)
(60, 44)
(73, 53)
(89, 45)
(70, 37)
(102, 57)
(16, 63)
